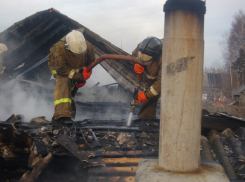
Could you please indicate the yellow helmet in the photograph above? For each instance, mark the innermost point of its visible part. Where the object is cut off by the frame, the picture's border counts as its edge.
(75, 42)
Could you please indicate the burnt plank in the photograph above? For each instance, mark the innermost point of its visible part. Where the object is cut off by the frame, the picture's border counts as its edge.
(220, 123)
(113, 171)
(111, 179)
(132, 153)
(124, 160)
(111, 128)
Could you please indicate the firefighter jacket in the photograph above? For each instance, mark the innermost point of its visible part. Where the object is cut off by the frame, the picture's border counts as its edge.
(64, 65)
(153, 75)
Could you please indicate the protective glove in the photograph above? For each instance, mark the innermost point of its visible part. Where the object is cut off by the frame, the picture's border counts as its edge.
(86, 74)
(80, 84)
(138, 68)
(141, 97)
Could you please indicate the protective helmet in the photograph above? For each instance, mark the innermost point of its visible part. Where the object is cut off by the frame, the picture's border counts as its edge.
(150, 49)
(75, 42)
(3, 48)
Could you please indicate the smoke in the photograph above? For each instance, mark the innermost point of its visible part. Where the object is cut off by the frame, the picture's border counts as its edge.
(34, 99)
(105, 102)
(110, 93)
(26, 100)
(31, 101)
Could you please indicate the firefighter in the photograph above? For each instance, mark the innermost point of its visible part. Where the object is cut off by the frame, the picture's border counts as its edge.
(3, 48)
(68, 61)
(149, 52)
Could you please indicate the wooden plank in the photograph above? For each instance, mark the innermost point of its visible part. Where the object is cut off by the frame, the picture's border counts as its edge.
(124, 160)
(221, 123)
(111, 128)
(134, 153)
(111, 179)
(113, 171)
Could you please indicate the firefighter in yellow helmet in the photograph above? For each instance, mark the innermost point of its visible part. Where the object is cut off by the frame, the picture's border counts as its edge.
(68, 61)
(3, 48)
(149, 52)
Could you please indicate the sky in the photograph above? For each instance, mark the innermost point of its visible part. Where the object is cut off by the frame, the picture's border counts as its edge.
(125, 23)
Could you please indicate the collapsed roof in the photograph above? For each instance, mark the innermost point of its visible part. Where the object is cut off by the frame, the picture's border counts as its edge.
(30, 39)
(107, 150)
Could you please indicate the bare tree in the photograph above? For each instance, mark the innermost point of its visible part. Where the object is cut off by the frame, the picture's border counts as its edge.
(232, 45)
(239, 66)
(216, 67)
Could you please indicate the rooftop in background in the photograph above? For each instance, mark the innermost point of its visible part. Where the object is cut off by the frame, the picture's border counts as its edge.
(239, 90)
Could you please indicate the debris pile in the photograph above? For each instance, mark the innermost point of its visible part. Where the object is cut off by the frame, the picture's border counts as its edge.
(32, 150)
(41, 141)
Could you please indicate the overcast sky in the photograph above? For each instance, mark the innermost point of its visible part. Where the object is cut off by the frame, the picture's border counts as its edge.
(125, 23)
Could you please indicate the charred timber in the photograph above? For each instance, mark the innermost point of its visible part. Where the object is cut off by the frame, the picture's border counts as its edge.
(218, 123)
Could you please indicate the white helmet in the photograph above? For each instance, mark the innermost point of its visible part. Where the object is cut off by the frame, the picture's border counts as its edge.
(75, 42)
(3, 48)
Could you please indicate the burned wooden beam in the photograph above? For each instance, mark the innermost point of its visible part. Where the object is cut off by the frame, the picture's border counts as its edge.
(217, 122)
(38, 163)
(13, 118)
(112, 171)
(7, 152)
(220, 123)
(68, 143)
(111, 178)
(111, 128)
(124, 161)
(90, 139)
(11, 135)
(131, 153)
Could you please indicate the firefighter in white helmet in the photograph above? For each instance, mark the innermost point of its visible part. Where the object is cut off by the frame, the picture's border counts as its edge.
(68, 61)
(3, 48)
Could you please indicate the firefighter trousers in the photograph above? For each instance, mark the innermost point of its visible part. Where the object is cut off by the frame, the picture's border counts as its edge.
(148, 108)
(64, 105)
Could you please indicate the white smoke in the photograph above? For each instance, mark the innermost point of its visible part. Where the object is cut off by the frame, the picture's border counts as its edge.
(108, 95)
(26, 101)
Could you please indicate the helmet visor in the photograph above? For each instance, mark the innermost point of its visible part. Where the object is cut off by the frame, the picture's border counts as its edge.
(144, 59)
